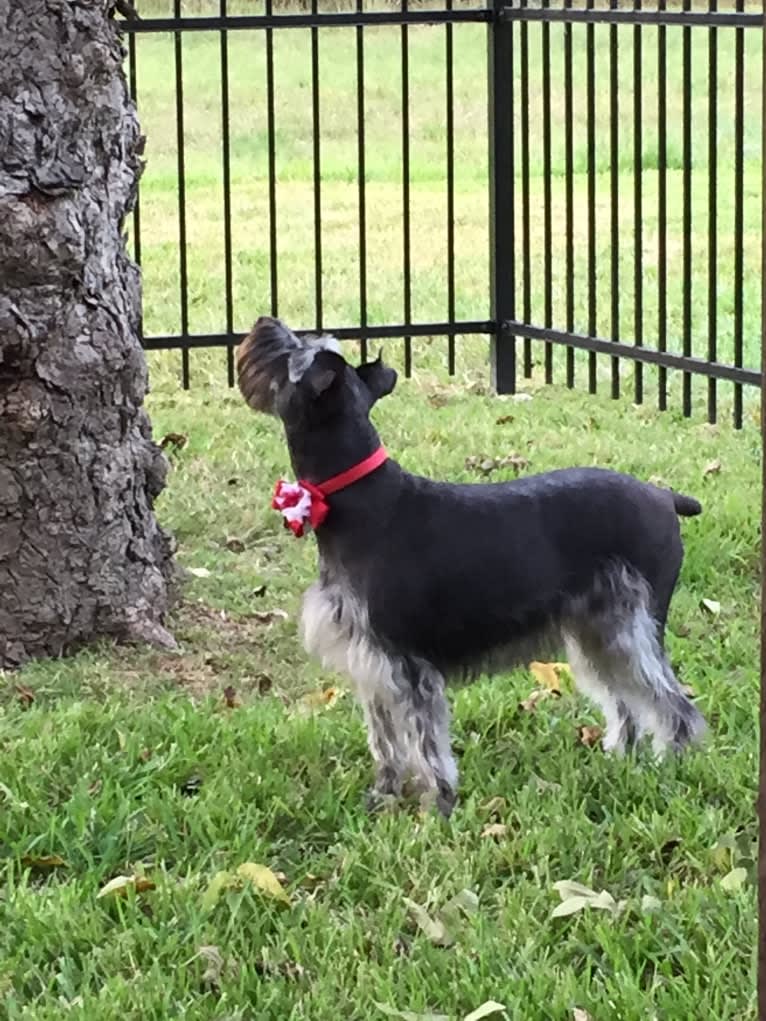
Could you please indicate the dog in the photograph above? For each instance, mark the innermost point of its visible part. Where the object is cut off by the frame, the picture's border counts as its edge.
(423, 582)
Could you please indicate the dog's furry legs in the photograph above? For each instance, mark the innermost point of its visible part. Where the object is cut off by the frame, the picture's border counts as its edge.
(618, 659)
(408, 733)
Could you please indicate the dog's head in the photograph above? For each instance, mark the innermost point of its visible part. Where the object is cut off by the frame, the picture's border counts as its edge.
(306, 382)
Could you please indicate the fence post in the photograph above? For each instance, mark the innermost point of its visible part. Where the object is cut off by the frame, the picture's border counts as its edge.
(502, 282)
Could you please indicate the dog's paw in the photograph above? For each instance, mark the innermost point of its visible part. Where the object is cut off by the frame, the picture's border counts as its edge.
(377, 802)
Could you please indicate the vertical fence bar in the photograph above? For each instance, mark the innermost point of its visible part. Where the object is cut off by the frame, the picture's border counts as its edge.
(133, 79)
(739, 206)
(226, 169)
(569, 192)
(614, 167)
(181, 169)
(450, 124)
(547, 198)
(272, 151)
(590, 74)
(526, 250)
(317, 160)
(362, 175)
(638, 238)
(662, 211)
(501, 213)
(712, 277)
(687, 210)
(406, 191)
(762, 750)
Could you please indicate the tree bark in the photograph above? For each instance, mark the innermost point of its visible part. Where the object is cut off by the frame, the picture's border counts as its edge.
(81, 554)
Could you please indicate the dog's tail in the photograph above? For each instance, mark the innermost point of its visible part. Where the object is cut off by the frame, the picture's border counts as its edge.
(686, 506)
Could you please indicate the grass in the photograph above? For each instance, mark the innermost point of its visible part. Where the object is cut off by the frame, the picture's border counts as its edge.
(129, 762)
(124, 761)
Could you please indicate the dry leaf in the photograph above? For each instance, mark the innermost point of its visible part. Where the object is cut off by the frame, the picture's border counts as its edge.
(212, 974)
(734, 880)
(578, 1014)
(490, 1007)
(265, 684)
(538, 695)
(434, 928)
(26, 695)
(199, 572)
(268, 616)
(120, 885)
(259, 591)
(495, 829)
(495, 805)
(235, 545)
(589, 736)
(712, 606)
(316, 701)
(408, 1015)
(549, 675)
(230, 698)
(176, 440)
(712, 468)
(44, 862)
(504, 420)
(575, 897)
(465, 901)
(263, 879)
(649, 903)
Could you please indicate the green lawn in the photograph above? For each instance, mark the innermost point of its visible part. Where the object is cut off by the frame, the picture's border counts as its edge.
(174, 768)
(129, 762)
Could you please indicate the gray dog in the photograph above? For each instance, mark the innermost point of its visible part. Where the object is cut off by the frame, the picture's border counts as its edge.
(422, 581)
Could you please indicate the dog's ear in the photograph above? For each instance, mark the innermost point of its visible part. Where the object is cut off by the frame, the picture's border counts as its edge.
(379, 379)
(323, 377)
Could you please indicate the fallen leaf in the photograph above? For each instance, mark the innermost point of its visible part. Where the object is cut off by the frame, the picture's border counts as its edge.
(234, 481)
(649, 903)
(688, 690)
(221, 881)
(259, 591)
(434, 928)
(570, 906)
(538, 695)
(712, 468)
(26, 695)
(549, 675)
(589, 736)
(265, 684)
(230, 698)
(495, 805)
(504, 420)
(43, 862)
(490, 1007)
(465, 901)
(712, 606)
(578, 1014)
(316, 701)
(263, 879)
(191, 785)
(268, 616)
(176, 440)
(235, 545)
(515, 461)
(120, 885)
(199, 572)
(495, 830)
(569, 888)
(212, 974)
(734, 880)
(408, 1015)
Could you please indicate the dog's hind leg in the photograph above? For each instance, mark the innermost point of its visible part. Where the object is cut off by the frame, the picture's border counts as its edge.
(621, 728)
(620, 636)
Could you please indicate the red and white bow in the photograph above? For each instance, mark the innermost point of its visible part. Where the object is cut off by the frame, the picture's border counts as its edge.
(302, 503)
(299, 503)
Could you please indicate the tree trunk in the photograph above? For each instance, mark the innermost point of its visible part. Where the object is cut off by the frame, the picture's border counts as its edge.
(81, 554)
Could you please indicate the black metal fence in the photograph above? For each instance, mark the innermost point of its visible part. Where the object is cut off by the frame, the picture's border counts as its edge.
(621, 158)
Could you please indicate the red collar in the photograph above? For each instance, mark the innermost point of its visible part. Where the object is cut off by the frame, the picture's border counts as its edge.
(302, 503)
(355, 473)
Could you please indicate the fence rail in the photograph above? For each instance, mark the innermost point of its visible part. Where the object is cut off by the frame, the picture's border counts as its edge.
(617, 147)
